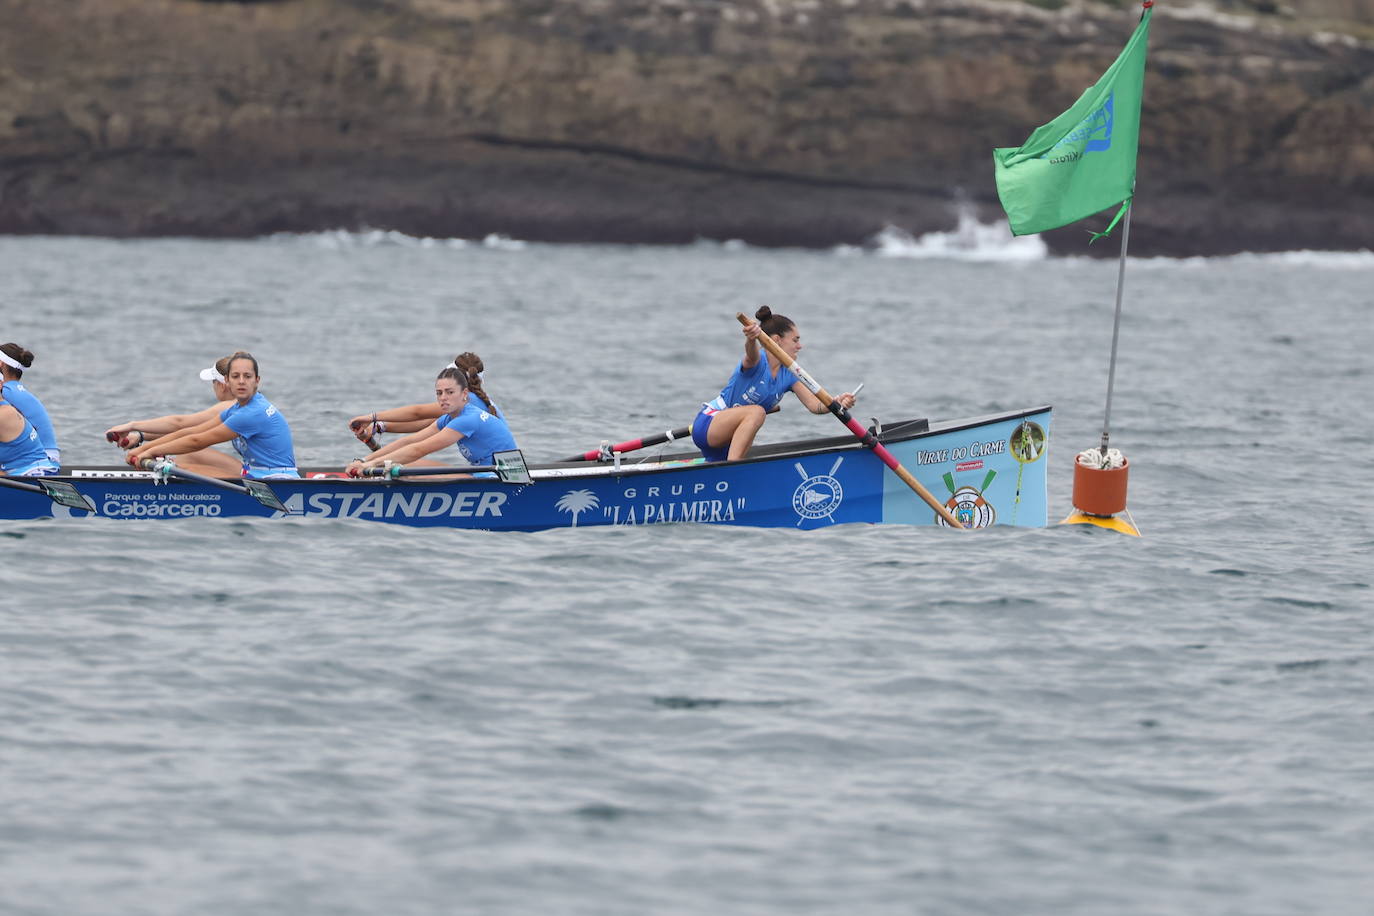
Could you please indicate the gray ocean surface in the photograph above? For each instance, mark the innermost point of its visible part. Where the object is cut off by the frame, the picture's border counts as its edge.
(289, 716)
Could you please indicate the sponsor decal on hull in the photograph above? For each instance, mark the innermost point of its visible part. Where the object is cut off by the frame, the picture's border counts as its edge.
(391, 505)
(158, 505)
(699, 502)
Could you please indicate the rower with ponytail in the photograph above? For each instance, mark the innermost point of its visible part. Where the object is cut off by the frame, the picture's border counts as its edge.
(466, 419)
(415, 417)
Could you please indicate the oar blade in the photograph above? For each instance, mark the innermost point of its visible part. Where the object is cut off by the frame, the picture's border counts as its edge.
(265, 495)
(511, 467)
(64, 494)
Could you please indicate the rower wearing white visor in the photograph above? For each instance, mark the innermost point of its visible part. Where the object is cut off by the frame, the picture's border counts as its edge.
(14, 359)
(259, 432)
(210, 461)
(414, 417)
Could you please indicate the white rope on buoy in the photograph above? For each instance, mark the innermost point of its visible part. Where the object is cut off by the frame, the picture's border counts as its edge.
(1093, 458)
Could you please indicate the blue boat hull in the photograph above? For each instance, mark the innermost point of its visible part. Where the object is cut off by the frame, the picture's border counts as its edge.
(988, 470)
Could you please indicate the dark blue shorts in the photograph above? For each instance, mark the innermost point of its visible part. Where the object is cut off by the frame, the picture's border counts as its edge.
(699, 427)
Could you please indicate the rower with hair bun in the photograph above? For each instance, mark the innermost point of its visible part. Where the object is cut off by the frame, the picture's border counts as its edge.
(210, 461)
(415, 417)
(259, 432)
(14, 359)
(466, 419)
(726, 426)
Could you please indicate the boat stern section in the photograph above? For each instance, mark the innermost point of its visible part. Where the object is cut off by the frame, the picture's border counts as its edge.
(987, 472)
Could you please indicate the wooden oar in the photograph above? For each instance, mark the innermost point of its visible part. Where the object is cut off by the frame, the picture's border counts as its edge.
(59, 491)
(853, 425)
(249, 487)
(510, 467)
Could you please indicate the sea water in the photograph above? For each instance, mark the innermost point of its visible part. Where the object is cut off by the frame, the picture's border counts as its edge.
(284, 716)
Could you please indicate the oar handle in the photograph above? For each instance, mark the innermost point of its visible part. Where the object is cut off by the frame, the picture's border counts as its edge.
(853, 425)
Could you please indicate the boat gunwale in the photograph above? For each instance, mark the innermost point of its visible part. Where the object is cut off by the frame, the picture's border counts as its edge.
(662, 464)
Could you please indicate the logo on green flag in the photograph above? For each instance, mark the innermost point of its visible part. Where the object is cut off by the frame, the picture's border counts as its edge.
(1083, 161)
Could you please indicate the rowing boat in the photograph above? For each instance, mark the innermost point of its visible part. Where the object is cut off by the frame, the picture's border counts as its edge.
(991, 469)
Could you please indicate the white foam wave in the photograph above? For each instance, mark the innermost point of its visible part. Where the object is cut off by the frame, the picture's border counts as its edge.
(338, 239)
(1339, 260)
(502, 242)
(1326, 260)
(970, 240)
(722, 245)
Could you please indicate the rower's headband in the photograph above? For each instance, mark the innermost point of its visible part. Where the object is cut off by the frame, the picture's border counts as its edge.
(11, 361)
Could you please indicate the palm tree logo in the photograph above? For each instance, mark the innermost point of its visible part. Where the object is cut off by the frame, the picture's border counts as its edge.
(577, 502)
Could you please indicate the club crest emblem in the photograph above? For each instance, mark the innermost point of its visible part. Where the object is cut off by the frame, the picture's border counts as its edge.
(819, 496)
(967, 504)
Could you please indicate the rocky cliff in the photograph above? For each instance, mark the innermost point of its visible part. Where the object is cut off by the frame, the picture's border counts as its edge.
(797, 122)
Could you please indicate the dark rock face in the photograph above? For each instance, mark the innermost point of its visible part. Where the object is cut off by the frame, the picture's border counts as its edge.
(779, 122)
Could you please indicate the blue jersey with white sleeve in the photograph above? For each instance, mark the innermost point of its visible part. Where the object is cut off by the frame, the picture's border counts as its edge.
(484, 433)
(264, 438)
(756, 385)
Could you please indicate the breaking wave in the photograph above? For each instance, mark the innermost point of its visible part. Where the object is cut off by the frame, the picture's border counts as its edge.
(377, 238)
(969, 240)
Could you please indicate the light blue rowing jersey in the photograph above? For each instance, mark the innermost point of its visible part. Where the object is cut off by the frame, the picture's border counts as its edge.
(23, 453)
(484, 433)
(33, 410)
(754, 386)
(264, 439)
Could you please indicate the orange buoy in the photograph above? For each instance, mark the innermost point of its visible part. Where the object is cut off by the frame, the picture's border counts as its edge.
(1099, 491)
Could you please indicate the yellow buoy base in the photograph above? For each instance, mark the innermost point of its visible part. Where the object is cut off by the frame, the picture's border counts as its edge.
(1110, 522)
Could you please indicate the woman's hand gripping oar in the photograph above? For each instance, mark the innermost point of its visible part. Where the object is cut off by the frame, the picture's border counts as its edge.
(853, 426)
(374, 426)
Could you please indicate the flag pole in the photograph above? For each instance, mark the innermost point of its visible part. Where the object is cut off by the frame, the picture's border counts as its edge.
(1116, 325)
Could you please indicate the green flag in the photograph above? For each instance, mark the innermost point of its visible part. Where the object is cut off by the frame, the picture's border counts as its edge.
(1083, 161)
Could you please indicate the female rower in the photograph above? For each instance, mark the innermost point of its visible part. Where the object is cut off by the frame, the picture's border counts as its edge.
(726, 426)
(467, 421)
(207, 460)
(415, 417)
(259, 432)
(21, 448)
(14, 359)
